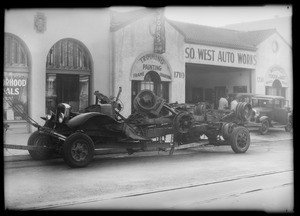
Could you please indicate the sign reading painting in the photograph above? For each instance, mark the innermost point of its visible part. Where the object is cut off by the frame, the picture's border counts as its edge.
(200, 54)
(276, 73)
(150, 62)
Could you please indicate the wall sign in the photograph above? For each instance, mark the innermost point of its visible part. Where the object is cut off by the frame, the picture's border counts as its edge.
(274, 73)
(151, 62)
(159, 35)
(200, 54)
(40, 22)
(15, 89)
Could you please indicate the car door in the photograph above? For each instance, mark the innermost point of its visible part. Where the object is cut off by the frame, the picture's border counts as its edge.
(279, 113)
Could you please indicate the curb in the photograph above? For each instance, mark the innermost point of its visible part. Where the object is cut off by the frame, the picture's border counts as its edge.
(11, 158)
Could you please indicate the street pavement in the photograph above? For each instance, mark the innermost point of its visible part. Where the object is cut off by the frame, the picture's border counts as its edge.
(205, 178)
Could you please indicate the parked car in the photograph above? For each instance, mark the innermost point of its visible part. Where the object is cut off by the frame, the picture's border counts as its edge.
(268, 111)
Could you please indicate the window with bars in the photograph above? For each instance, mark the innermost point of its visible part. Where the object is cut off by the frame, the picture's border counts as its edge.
(68, 54)
(15, 52)
(15, 78)
(68, 75)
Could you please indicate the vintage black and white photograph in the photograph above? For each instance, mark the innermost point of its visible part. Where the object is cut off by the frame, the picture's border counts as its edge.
(174, 108)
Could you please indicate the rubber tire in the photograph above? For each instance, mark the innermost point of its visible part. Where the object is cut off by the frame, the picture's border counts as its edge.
(39, 155)
(67, 150)
(234, 139)
(264, 129)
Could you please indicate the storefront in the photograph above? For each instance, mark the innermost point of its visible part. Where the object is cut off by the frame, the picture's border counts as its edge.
(212, 72)
(16, 81)
(204, 62)
(68, 75)
(54, 56)
(150, 71)
(49, 59)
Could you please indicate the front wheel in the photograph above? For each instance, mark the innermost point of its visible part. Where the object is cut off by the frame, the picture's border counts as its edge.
(40, 140)
(240, 139)
(78, 150)
(264, 128)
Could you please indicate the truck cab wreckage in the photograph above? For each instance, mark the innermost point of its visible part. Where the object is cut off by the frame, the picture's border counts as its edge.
(101, 129)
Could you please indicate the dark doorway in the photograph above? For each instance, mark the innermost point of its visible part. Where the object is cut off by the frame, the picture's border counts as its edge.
(68, 90)
(197, 95)
(220, 91)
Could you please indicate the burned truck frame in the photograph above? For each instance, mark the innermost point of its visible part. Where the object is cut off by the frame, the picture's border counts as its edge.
(76, 136)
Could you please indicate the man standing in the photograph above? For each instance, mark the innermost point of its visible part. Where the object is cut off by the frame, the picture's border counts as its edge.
(223, 103)
(233, 103)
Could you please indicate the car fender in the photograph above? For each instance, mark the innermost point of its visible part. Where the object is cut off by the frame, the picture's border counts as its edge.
(97, 117)
(263, 118)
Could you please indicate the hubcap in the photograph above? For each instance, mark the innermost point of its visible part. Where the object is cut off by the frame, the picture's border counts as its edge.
(264, 126)
(242, 140)
(41, 141)
(79, 151)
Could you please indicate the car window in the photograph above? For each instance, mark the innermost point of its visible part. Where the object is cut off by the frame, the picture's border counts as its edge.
(279, 103)
(262, 103)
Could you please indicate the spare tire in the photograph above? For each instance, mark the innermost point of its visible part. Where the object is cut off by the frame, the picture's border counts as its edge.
(40, 140)
(243, 111)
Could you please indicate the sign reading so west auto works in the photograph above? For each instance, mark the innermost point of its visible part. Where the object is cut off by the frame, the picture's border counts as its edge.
(200, 54)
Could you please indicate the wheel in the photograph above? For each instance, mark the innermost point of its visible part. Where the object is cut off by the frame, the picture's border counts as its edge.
(39, 139)
(183, 122)
(289, 126)
(264, 128)
(240, 139)
(78, 150)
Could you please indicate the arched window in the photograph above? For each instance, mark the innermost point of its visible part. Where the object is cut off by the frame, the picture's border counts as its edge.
(15, 53)
(276, 89)
(16, 74)
(69, 70)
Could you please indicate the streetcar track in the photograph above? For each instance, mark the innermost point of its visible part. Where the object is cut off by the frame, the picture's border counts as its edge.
(136, 194)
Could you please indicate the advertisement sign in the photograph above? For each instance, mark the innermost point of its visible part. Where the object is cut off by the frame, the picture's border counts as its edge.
(209, 55)
(159, 35)
(276, 73)
(151, 62)
(15, 89)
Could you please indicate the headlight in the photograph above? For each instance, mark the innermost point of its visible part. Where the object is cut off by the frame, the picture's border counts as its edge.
(48, 117)
(61, 118)
(256, 113)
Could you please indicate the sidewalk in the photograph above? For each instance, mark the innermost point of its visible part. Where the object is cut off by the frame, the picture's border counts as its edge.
(275, 134)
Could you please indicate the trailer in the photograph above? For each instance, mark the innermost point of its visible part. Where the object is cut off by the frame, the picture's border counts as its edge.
(101, 129)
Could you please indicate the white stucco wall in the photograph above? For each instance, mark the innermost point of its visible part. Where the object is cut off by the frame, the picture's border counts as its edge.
(266, 59)
(90, 26)
(128, 43)
(134, 40)
(175, 55)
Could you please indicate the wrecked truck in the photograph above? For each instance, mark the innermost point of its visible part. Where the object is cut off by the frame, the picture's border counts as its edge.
(76, 136)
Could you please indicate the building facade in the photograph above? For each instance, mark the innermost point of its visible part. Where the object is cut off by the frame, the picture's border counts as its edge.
(54, 56)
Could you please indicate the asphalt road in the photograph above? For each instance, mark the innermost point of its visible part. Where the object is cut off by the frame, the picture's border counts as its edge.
(204, 178)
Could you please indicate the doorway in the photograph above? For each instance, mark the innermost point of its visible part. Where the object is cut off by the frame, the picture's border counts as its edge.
(68, 90)
(68, 75)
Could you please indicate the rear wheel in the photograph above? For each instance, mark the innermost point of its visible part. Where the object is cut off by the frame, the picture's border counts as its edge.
(78, 150)
(240, 139)
(40, 140)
